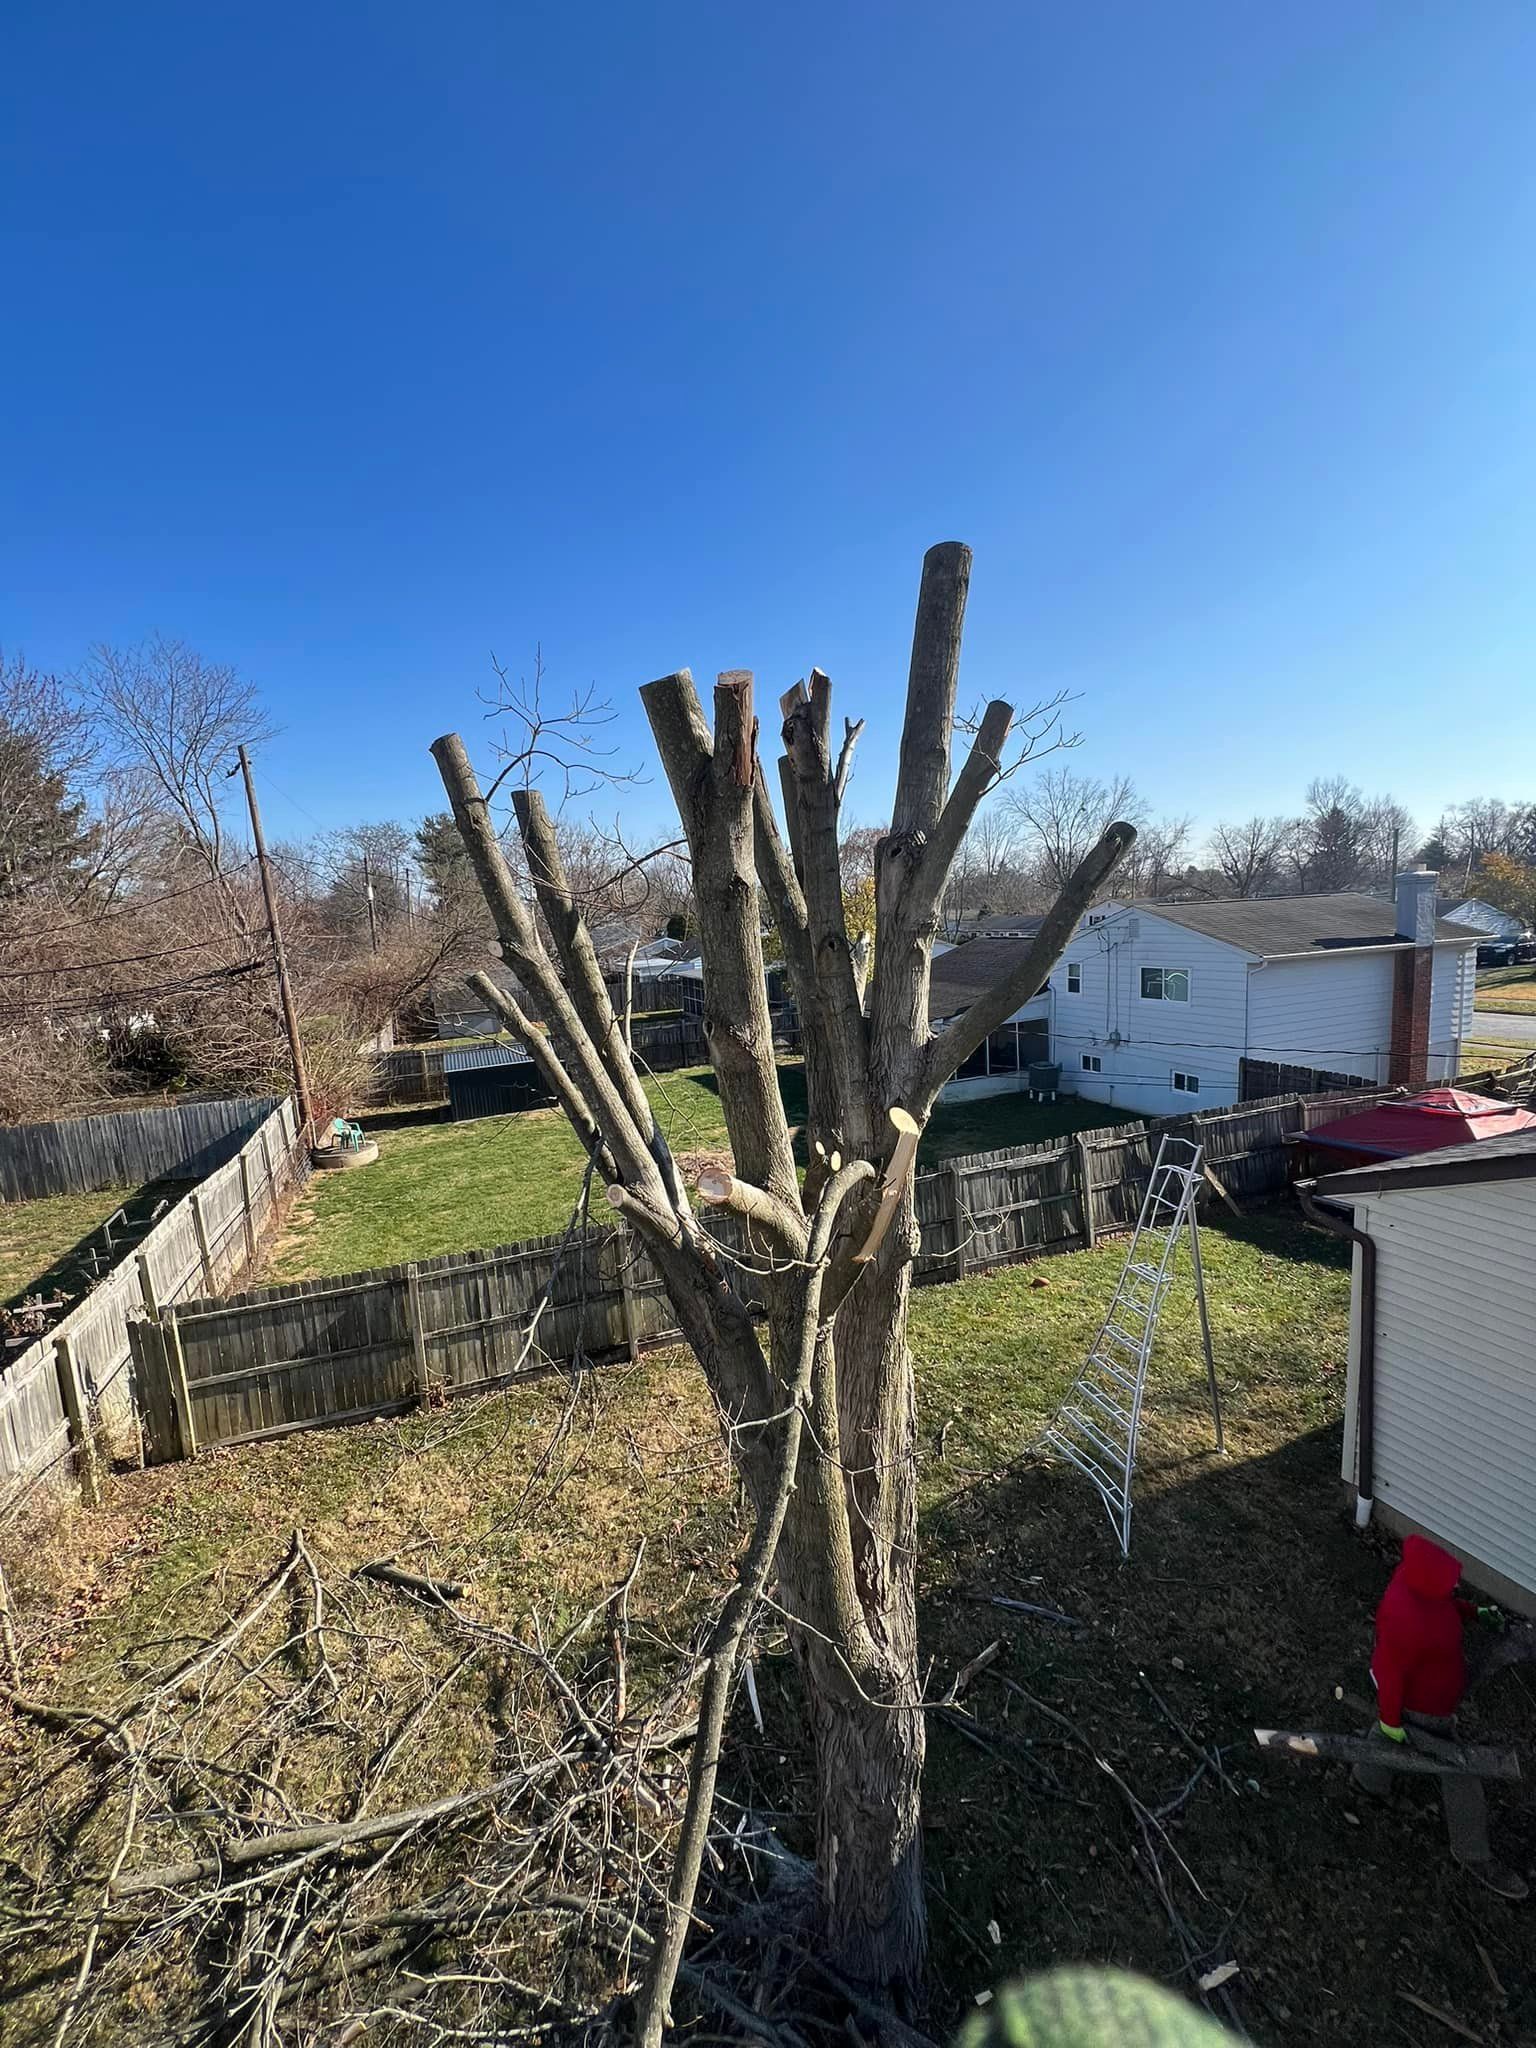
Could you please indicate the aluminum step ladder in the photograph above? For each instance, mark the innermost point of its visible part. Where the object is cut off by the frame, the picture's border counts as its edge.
(1097, 1425)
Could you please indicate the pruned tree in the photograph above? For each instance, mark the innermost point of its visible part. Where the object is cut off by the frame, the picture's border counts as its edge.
(819, 1401)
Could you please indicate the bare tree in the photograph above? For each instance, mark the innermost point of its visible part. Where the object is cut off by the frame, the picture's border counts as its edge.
(986, 869)
(1247, 856)
(1064, 814)
(831, 1259)
(177, 720)
(47, 840)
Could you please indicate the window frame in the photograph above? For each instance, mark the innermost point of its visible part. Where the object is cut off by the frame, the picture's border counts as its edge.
(1074, 977)
(1162, 995)
(1093, 1063)
(1183, 1083)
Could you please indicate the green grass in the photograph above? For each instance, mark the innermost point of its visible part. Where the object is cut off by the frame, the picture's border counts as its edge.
(1507, 988)
(1497, 1053)
(444, 1187)
(35, 1235)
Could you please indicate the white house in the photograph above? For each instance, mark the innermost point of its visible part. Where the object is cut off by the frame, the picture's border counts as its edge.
(1162, 1007)
(1440, 1428)
(1486, 919)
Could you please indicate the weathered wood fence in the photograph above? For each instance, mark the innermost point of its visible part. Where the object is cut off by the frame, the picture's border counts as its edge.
(67, 1397)
(339, 1350)
(126, 1148)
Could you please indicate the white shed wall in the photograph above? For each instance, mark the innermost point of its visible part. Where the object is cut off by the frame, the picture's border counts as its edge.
(1456, 1368)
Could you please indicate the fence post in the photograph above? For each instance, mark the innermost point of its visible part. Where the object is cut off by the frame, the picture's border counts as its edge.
(181, 1392)
(625, 1241)
(956, 1219)
(245, 1204)
(79, 1420)
(200, 1231)
(426, 1076)
(147, 1288)
(266, 1153)
(418, 1333)
(1085, 1190)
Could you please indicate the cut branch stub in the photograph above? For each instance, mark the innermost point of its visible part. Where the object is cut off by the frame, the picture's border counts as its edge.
(893, 1182)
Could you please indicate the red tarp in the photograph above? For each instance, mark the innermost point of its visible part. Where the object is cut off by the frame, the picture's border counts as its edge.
(1423, 1123)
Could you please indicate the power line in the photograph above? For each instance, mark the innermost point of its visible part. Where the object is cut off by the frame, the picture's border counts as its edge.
(135, 909)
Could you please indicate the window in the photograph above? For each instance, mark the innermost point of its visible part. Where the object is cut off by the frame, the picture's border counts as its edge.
(1187, 1084)
(1074, 977)
(1003, 1050)
(1165, 984)
(1095, 917)
(1092, 1064)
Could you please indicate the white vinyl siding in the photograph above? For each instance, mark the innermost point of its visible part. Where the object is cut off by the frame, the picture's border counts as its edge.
(1335, 1014)
(1456, 1367)
(1139, 1041)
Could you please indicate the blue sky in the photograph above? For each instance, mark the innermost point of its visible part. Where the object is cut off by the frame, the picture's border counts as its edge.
(351, 343)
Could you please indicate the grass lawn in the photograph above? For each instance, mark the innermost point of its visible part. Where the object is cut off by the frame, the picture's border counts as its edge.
(445, 1187)
(1507, 988)
(35, 1235)
(1498, 1053)
(1247, 1599)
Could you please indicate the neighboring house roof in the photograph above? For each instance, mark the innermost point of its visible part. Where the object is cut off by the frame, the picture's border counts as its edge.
(1509, 1158)
(1283, 927)
(1428, 1122)
(1479, 916)
(959, 978)
(1003, 925)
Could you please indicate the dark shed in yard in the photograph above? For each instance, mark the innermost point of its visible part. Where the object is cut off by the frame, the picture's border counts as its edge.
(492, 1080)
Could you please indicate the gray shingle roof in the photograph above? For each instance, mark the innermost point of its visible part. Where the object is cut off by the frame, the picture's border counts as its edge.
(960, 977)
(1511, 1158)
(1273, 926)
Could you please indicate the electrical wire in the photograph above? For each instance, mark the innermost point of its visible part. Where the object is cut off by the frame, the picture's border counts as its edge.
(135, 909)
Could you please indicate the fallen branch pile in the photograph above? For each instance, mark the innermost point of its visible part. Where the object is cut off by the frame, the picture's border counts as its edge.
(354, 1809)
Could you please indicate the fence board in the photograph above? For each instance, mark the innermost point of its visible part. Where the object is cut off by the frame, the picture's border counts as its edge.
(126, 1148)
(124, 1373)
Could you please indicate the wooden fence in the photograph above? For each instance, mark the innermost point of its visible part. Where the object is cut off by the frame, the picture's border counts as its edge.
(181, 1140)
(69, 1393)
(339, 1350)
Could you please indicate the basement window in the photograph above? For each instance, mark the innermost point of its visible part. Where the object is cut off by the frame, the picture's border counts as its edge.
(1074, 977)
(1092, 1064)
(1187, 1084)
(1165, 984)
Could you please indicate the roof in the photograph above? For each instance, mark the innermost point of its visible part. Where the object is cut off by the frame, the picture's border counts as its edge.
(961, 977)
(1493, 1159)
(1429, 1122)
(497, 1053)
(1020, 924)
(1281, 927)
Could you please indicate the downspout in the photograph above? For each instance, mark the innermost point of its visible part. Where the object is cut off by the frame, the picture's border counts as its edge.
(1331, 1217)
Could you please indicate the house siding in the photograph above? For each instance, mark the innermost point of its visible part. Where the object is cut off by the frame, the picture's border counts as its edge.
(1455, 1369)
(1203, 1037)
(1330, 1013)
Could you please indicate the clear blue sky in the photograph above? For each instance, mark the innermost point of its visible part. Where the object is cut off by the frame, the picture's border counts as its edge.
(351, 342)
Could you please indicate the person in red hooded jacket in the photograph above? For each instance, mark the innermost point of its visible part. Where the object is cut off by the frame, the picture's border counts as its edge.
(1419, 1668)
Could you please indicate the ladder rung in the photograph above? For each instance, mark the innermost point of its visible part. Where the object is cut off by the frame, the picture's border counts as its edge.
(1094, 1434)
(1110, 1484)
(1114, 1412)
(1118, 1336)
(1097, 1364)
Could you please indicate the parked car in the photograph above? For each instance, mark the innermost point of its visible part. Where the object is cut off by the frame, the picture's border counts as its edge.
(1498, 953)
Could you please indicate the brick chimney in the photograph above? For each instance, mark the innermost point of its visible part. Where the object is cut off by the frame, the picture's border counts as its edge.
(1414, 895)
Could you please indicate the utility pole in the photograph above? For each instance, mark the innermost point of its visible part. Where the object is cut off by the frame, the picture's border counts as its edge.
(275, 930)
(373, 916)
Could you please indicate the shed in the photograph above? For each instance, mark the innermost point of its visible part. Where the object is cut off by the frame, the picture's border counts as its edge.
(1440, 1412)
(492, 1080)
(1428, 1122)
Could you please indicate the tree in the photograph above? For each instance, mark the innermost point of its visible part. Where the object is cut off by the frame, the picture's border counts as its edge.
(47, 839)
(1247, 855)
(1508, 884)
(1064, 814)
(176, 721)
(836, 1508)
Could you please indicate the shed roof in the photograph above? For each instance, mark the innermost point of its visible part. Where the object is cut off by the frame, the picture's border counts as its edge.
(1508, 1158)
(497, 1053)
(1279, 927)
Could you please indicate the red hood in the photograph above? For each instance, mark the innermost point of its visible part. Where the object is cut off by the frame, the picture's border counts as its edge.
(1428, 1569)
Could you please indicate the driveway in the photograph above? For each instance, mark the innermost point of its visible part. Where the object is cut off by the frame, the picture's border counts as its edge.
(1515, 1026)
